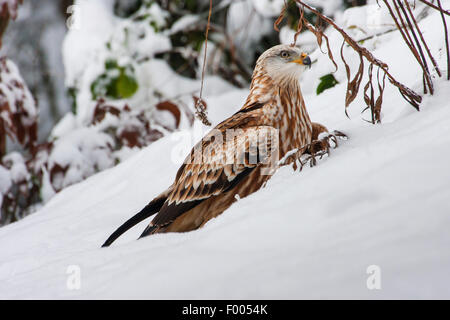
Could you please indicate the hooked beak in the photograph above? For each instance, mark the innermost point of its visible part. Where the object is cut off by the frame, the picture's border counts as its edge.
(303, 60)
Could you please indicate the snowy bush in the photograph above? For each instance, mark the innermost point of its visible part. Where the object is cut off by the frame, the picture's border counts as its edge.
(18, 113)
(18, 121)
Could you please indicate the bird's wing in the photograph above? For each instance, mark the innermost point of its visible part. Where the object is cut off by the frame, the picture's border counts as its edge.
(217, 164)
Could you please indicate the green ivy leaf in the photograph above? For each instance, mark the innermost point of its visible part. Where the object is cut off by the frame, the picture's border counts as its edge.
(72, 93)
(126, 85)
(326, 82)
(111, 64)
(154, 25)
(115, 83)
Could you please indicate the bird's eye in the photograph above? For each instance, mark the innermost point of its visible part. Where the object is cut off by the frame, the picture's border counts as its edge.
(284, 54)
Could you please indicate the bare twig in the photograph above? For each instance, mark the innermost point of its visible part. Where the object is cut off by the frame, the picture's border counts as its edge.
(436, 7)
(446, 38)
(376, 35)
(353, 85)
(423, 40)
(414, 46)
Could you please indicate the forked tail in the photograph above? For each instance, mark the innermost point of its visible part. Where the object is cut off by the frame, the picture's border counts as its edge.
(153, 207)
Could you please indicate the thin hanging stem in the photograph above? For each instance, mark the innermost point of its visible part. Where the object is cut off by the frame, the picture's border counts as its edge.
(446, 38)
(200, 105)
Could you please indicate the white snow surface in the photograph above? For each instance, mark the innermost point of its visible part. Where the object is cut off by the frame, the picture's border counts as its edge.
(381, 198)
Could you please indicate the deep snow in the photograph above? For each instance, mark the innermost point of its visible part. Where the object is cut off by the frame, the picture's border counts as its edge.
(381, 198)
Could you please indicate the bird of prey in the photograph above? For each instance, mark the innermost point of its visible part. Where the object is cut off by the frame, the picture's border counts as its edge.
(224, 167)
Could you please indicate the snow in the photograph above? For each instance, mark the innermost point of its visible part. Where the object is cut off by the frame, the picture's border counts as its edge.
(381, 199)
(248, 23)
(5, 182)
(47, 191)
(18, 169)
(80, 152)
(329, 7)
(64, 126)
(184, 22)
(268, 8)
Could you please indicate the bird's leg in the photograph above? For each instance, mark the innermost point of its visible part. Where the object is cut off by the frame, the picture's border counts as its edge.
(318, 144)
(293, 158)
(321, 143)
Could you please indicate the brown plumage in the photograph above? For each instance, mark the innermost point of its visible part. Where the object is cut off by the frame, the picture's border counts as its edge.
(221, 169)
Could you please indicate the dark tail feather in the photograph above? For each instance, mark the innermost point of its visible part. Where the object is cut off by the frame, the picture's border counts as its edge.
(148, 231)
(153, 207)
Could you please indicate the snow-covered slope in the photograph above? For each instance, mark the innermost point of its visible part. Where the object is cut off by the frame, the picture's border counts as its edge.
(381, 198)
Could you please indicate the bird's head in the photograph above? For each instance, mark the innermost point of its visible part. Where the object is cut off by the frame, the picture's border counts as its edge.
(282, 63)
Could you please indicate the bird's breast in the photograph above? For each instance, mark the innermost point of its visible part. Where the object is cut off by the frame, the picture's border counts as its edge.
(295, 125)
